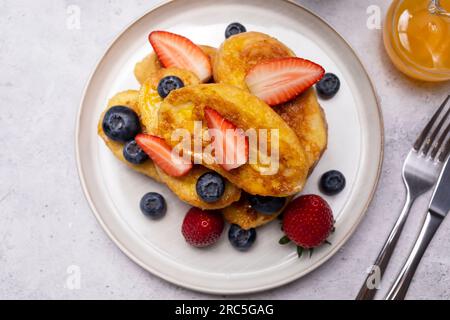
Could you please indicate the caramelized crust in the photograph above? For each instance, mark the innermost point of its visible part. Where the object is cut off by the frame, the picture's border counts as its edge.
(184, 106)
(306, 117)
(128, 99)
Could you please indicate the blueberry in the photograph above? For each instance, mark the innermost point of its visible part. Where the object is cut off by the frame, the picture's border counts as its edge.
(210, 187)
(233, 29)
(133, 153)
(153, 205)
(168, 84)
(121, 124)
(332, 182)
(328, 86)
(241, 239)
(266, 205)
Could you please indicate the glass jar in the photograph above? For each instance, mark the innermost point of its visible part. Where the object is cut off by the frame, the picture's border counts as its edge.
(417, 38)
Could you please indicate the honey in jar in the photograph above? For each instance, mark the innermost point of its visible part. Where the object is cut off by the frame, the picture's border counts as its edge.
(417, 38)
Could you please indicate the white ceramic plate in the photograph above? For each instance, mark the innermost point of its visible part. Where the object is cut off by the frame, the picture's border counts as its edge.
(113, 191)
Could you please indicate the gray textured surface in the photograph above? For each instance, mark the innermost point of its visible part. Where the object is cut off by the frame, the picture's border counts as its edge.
(45, 222)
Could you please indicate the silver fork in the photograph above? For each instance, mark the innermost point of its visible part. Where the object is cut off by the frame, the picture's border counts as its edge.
(420, 172)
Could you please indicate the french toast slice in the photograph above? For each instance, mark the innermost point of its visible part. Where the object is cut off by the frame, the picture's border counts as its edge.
(183, 107)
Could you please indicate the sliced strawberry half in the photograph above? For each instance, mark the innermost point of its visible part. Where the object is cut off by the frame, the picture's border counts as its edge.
(280, 80)
(230, 143)
(161, 153)
(177, 51)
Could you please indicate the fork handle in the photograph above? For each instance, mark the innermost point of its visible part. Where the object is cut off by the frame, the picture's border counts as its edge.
(401, 285)
(369, 289)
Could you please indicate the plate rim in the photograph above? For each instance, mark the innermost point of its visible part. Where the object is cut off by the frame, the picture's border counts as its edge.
(200, 288)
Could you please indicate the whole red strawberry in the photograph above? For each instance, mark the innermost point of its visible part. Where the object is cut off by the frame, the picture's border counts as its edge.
(202, 228)
(308, 221)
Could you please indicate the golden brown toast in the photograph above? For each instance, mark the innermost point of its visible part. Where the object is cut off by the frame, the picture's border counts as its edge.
(128, 99)
(185, 106)
(239, 53)
(306, 117)
(183, 187)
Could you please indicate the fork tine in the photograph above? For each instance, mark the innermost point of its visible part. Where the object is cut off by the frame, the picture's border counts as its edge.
(429, 126)
(441, 140)
(429, 142)
(445, 152)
